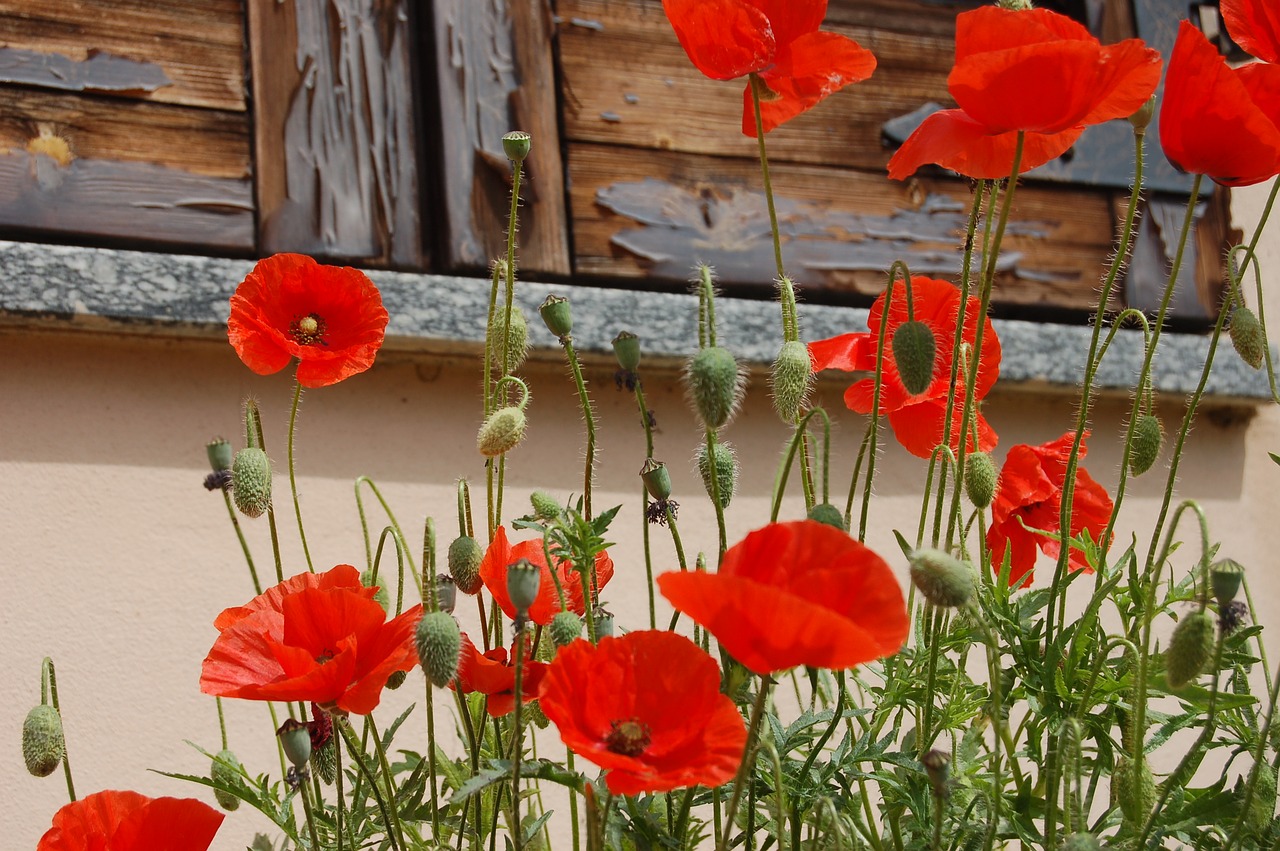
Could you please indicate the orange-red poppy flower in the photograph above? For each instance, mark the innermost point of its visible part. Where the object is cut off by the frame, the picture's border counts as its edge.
(917, 421)
(128, 821)
(493, 673)
(799, 593)
(330, 318)
(1034, 71)
(777, 40)
(315, 638)
(1255, 26)
(1216, 120)
(501, 552)
(1029, 494)
(647, 707)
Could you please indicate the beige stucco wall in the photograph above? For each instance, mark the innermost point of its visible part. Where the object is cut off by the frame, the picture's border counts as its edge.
(114, 560)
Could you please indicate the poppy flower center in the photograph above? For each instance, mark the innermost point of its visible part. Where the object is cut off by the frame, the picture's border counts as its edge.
(309, 330)
(628, 738)
(325, 657)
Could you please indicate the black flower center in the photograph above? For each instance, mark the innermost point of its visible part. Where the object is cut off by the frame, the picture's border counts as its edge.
(309, 330)
(628, 738)
(325, 657)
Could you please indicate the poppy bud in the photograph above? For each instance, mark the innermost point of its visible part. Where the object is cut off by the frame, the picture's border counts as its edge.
(465, 555)
(1247, 337)
(544, 505)
(979, 478)
(565, 628)
(324, 760)
(1015, 5)
(446, 592)
(225, 771)
(626, 348)
(1225, 576)
(937, 764)
(1134, 789)
(219, 452)
(726, 471)
(1142, 118)
(516, 145)
(657, 479)
(557, 316)
(439, 643)
(943, 579)
(913, 351)
(825, 512)
(715, 384)
(43, 744)
(515, 343)
(1190, 649)
(380, 596)
(791, 380)
(1081, 841)
(251, 481)
(523, 579)
(1262, 811)
(295, 739)
(397, 679)
(502, 432)
(604, 621)
(1148, 436)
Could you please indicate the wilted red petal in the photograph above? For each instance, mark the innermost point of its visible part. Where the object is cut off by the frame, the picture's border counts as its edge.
(725, 39)
(1255, 26)
(806, 71)
(953, 140)
(128, 821)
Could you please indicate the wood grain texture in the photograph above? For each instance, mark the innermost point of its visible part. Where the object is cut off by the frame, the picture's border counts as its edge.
(197, 45)
(495, 74)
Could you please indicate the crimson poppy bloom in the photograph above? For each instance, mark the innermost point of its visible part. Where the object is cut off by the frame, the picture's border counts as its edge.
(647, 707)
(493, 673)
(1255, 26)
(330, 318)
(917, 421)
(799, 593)
(779, 42)
(128, 821)
(1216, 120)
(493, 571)
(1033, 71)
(317, 638)
(1030, 492)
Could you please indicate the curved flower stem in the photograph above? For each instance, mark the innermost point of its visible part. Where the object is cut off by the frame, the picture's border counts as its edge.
(255, 437)
(49, 678)
(293, 481)
(644, 502)
(716, 502)
(748, 758)
(755, 85)
(391, 517)
(788, 458)
(244, 544)
(354, 748)
(517, 739)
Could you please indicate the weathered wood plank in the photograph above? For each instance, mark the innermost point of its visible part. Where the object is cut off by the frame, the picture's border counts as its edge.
(187, 53)
(495, 74)
(335, 129)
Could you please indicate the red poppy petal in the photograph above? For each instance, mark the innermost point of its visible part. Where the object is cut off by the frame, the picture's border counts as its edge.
(951, 139)
(809, 69)
(989, 29)
(791, 19)
(127, 820)
(1042, 88)
(725, 39)
(1255, 26)
(341, 576)
(918, 427)
(834, 353)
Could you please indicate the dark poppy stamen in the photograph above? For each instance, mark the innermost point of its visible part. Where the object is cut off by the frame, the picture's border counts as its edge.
(309, 330)
(628, 738)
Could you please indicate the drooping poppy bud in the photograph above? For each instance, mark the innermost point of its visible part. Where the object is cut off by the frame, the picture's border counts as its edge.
(1190, 649)
(791, 380)
(715, 384)
(545, 506)
(43, 743)
(465, 555)
(943, 579)
(439, 643)
(225, 771)
(501, 432)
(914, 351)
(1148, 436)
(1134, 789)
(1247, 337)
(724, 468)
(979, 478)
(515, 342)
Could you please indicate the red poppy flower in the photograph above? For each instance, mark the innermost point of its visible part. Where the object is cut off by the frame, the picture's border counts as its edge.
(330, 318)
(777, 40)
(1255, 26)
(493, 571)
(799, 593)
(1035, 71)
(647, 707)
(1030, 493)
(128, 821)
(314, 638)
(917, 421)
(1216, 120)
(493, 673)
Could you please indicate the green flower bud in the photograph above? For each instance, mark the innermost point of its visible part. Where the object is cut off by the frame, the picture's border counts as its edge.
(825, 512)
(1134, 789)
(43, 744)
(1081, 841)
(626, 348)
(502, 432)
(295, 739)
(1263, 808)
(1142, 118)
(557, 316)
(516, 344)
(380, 596)
(225, 771)
(979, 479)
(943, 579)
(465, 555)
(545, 505)
(791, 380)
(715, 384)
(1190, 649)
(523, 579)
(324, 761)
(656, 478)
(725, 468)
(565, 628)
(914, 350)
(1148, 436)
(1247, 337)
(516, 145)
(219, 452)
(439, 643)
(1226, 576)
(251, 482)
(937, 764)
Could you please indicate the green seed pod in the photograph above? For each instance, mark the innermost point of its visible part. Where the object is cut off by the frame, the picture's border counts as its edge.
(604, 621)
(1148, 437)
(465, 555)
(825, 512)
(557, 315)
(1081, 841)
(715, 384)
(1190, 649)
(979, 478)
(943, 579)
(791, 380)
(251, 482)
(502, 432)
(565, 628)
(1263, 807)
(518, 342)
(523, 579)
(324, 761)
(914, 350)
(295, 739)
(1247, 337)
(544, 505)
(516, 145)
(219, 452)
(726, 471)
(1225, 577)
(380, 596)
(43, 744)
(439, 643)
(626, 348)
(225, 771)
(656, 478)
(1134, 790)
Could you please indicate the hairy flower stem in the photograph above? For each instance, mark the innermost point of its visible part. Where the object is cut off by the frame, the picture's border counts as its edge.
(391, 517)
(244, 544)
(387, 777)
(588, 415)
(293, 480)
(517, 738)
(49, 684)
(755, 85)
(1259, 756)
(925, 738)
(748, 759)
(431, 757)
(308, 815)
(354, 748)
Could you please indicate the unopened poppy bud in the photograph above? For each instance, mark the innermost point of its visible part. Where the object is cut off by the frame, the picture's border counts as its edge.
(1015, 5)
(251, 481)
(1226, 576)
(914, 348)
(439, 644)
(1190, 648)
(43, 744)
(380, 596)
(1134, 790)
(565, 628)
(604, 621)
(557, 316)
(523, 579)
(544, 505)
(1262, 811)
(397, 679)
(465, 555)
(324, 761)
(715, 384)
(656, 478)
(825, 512)
(626, 348)
(1142, 118)
(295, 739)
(1148, 437)
(1081, 841)
(791, 380)
(516, 145)
(1247, 337)
(515, 341)
(446, 592)
(502, 432)
(724, 468)
(225, 771)
(219, 452)
(979, 478)
(937, 764)
(942, 578)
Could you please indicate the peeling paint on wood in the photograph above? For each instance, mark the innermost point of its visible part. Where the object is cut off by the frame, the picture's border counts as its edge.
(99, 72)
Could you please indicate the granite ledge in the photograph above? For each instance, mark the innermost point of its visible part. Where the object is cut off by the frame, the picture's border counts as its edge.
(70, 286)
